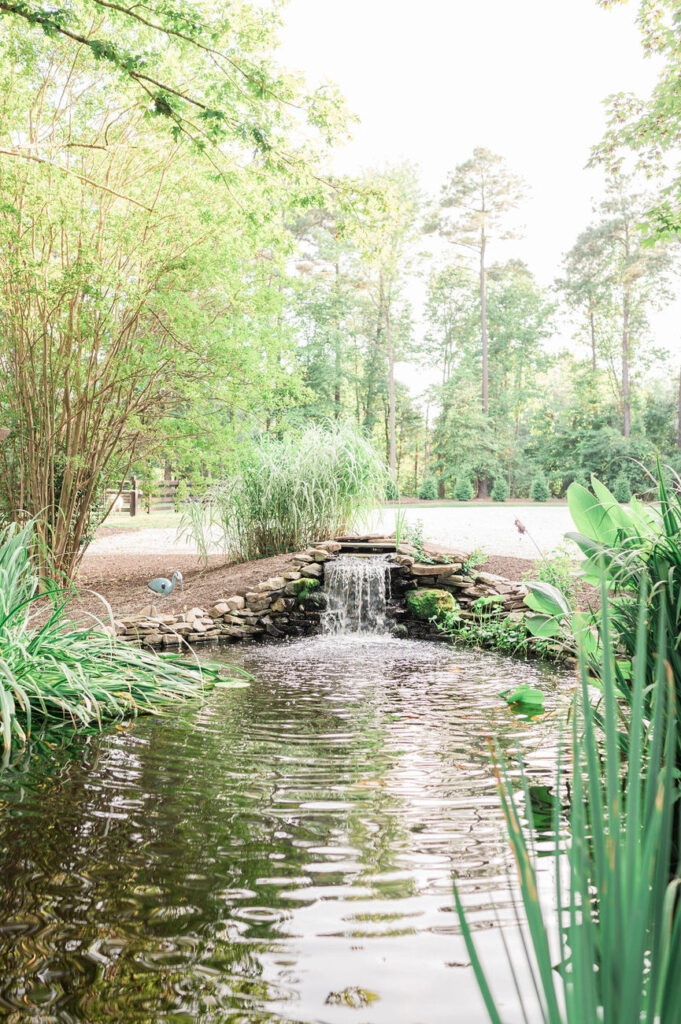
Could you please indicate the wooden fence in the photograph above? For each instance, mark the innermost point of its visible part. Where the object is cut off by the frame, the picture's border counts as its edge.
(133, 501)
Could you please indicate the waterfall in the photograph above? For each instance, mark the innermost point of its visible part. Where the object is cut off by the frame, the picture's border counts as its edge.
(357, 591)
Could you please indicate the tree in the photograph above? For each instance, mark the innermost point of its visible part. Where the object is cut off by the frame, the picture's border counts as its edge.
(201, 69)
(474, 206)
(649, 130)
(621, 280)
(585, 288)
(385, 232)
(130, 289)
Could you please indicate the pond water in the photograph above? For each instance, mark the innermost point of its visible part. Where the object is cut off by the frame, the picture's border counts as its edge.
(285, 852)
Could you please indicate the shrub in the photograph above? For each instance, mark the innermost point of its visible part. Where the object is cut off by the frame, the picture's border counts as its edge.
(622, 489)
(62, 673)
(500, 489)
(428, 489)
(463, 489)
(539, 490)
(286, 493)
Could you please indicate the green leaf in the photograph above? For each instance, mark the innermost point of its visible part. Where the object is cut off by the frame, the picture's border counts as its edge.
(524, 695)
(543, 625)
(546, 599)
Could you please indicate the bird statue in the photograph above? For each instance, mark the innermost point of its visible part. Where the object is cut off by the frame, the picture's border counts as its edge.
(161, 586)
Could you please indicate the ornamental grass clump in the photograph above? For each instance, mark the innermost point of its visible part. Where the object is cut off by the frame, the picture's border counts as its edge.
(286, 493)
(60, 673)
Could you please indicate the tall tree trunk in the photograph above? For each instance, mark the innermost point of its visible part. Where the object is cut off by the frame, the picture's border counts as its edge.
(483, 324)
(626, 397)
(592, 328)
(338, 367)
(483, 489)
(385, 303)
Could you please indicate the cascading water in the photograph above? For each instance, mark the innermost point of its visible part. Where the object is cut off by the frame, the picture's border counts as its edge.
(357, 591)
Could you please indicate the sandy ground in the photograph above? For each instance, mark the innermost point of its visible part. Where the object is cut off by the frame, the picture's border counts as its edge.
(120, 561)
(488, 528)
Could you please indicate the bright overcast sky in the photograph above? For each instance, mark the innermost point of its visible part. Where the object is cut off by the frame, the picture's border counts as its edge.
(431, 79)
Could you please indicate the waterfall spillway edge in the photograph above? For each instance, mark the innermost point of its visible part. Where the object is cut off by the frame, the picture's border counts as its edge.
(357, 592)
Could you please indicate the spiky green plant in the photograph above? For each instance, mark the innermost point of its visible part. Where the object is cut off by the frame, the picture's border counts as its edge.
(58, 672)
(617, 930)
(291, 491)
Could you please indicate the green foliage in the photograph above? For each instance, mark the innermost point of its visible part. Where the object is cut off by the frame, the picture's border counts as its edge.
(618, 854)
(622, 489)
(637, 549)
(560, 570)
(428, 489)
(431, 603)
(392, 491)
(287, 493)
(63, 674)
(500, 488)
(476, 558)
(539, 491)
(463, 490)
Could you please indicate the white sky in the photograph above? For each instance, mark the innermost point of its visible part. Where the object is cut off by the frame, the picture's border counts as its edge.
(431, 79)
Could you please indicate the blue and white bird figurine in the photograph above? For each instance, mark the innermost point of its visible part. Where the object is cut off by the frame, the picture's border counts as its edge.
(161, 587)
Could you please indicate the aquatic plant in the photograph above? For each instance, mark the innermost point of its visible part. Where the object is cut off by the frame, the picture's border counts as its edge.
(288, 492)
(617, 930)
(63, 673)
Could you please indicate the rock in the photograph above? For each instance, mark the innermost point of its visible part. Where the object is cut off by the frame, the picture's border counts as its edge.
(298, 588)
(430, 604)
(405, 560)
(302, 559)
(279, 605)
(292, 574)
(320, 555)
(400, 631)
(258, 603)
(275, 583)
(194, 613)
(235, 603)
(420, 569)
(313, 571)
(328, 545)
(219, 609)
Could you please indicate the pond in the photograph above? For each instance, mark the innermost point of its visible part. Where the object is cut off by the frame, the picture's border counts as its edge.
(285, 852)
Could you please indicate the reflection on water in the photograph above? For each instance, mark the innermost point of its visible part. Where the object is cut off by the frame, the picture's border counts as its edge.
(256, 858)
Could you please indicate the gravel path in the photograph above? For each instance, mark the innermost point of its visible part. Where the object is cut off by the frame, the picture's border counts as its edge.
(490, 529)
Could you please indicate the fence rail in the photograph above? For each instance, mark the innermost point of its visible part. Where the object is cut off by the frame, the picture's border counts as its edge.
(133, 500)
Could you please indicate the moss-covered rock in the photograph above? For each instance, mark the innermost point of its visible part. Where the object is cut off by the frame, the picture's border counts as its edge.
(430, 604)
(300, 588)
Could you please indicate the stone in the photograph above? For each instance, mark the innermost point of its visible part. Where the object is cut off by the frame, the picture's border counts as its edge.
(194, 613)
(405, 560)
(430, 603)
(313, 571)
(219, 609)
(279, 605)
(420, 569)
(235, 602)
(292, 574)
(259, 603)
(320, 555)
(274, 583)
(328, 545)
(302, 559)
(298, 588)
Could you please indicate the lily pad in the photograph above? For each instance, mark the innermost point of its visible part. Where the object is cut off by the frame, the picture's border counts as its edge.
(524, 698)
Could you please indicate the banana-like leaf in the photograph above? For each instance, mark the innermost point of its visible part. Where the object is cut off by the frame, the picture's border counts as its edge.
(546, 599)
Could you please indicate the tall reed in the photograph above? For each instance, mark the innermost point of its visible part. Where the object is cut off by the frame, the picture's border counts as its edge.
(288, 492)
(617, 931)
(63, 673)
